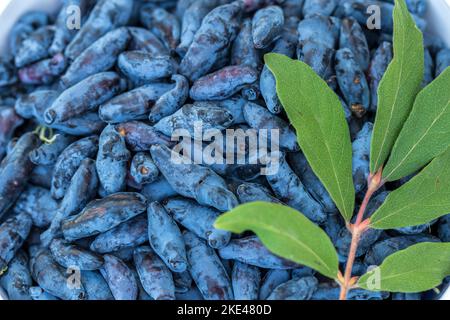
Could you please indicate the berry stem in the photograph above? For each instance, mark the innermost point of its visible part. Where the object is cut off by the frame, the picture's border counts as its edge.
(360, 226)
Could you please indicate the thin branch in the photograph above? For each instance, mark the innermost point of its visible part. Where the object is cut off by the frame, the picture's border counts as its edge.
(357, 229)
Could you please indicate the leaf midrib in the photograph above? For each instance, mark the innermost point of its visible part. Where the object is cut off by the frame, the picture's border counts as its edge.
(402, 208)
(296, 240)
(417, 269)
(329, 157)
(394, 103)
(418, 142)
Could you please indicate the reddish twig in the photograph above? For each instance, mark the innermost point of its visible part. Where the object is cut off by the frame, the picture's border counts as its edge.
(357, 229)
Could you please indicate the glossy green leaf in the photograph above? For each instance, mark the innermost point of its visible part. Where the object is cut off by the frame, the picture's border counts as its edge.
(399, 87)
(422, 199)
(322, 131)
(426, 133)
(285, 232)
(418, 268)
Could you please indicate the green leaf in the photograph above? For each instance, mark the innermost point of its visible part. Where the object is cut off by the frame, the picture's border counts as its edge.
(426, 133)
(286, 232)
(422, 199)
(322, 131)
(399, 86)
(418, 268)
